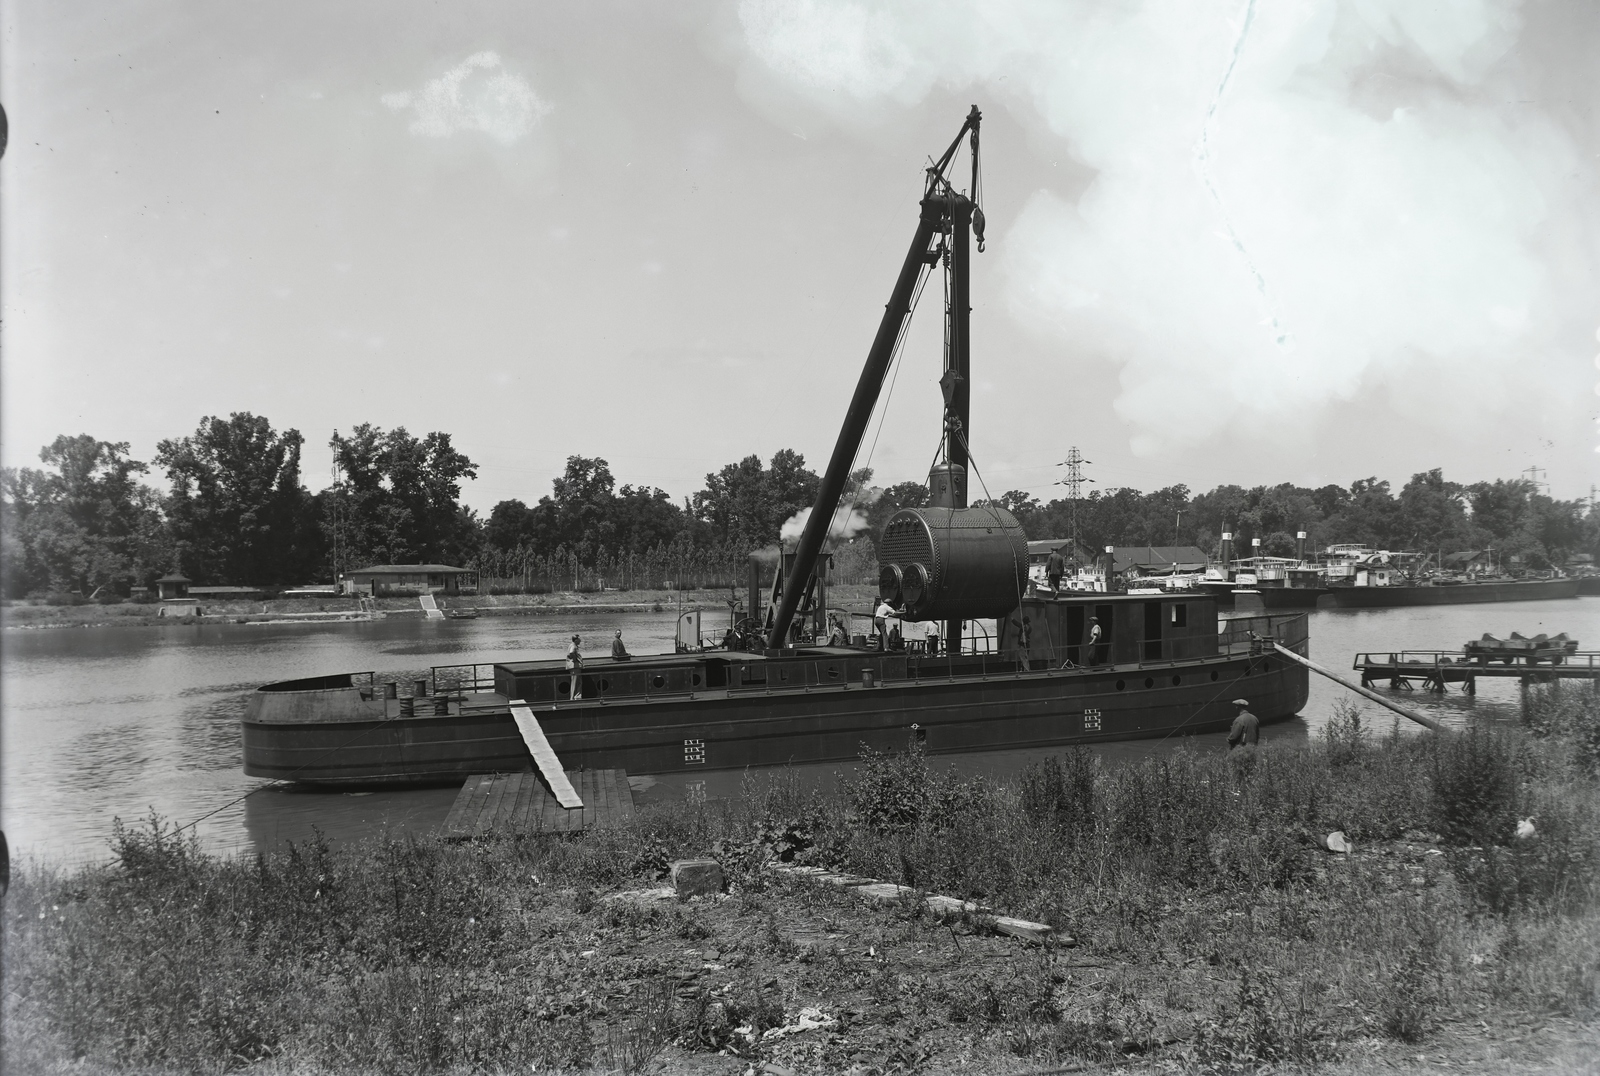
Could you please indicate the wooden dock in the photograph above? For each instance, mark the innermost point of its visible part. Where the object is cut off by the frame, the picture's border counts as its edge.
(1434, 669)
(521, 805)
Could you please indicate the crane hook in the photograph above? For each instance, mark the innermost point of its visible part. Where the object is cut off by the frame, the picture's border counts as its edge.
(977, 226)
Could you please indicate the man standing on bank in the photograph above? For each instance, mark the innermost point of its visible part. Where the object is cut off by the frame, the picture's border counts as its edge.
(1054, 568)
(575, 667)
(1246, 730)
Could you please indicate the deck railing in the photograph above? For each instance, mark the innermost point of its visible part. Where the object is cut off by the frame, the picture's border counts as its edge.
(1245, 633)
(463, 678)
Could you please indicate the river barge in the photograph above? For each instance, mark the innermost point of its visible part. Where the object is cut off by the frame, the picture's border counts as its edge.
(1438, 592)
(1056, 670)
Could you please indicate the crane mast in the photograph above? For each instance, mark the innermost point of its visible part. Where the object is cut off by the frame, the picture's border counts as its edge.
(943, 237)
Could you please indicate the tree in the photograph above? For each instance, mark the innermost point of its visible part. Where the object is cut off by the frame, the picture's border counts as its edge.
(85, 522)
(237, 511)
(745, 505)
(398, 500)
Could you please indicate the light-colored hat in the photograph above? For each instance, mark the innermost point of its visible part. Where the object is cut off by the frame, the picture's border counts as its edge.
(1241, 702)
(575, 636)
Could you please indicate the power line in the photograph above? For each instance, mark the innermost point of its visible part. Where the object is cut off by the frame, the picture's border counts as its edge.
(1074, 481)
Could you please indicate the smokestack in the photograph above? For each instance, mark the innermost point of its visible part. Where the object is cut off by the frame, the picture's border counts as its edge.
(1255, 547)
(754, 604)
(1111, 560)
(1227, 549)
(1300, 546)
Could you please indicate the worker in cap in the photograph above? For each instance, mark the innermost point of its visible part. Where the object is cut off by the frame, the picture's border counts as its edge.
(1246, 728)
(575, 668)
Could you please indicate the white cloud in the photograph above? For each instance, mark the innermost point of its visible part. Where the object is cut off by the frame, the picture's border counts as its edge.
(1265, 232)
(475, 95)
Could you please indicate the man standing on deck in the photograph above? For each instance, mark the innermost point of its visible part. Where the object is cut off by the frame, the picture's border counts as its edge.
(619, 651)
(575, 667)
(837, 635)
(880, 621)
(1054, 568)
(1024, 637)
(1246, 729)
(1091, 643)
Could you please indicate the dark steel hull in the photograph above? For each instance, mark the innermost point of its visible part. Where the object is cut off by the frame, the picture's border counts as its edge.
(1589, 586)
(1458, 594)
(1274, 599)
(733, 729)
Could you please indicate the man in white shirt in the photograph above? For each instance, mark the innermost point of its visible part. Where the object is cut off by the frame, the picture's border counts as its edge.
(880, 621)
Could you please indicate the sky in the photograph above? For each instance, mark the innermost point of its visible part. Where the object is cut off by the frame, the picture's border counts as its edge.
(1227, 242)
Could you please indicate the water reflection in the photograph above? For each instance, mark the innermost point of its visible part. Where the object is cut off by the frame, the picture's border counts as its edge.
(120, 721)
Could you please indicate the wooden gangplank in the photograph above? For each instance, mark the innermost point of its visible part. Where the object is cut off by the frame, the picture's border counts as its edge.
(522, 805)
(1434, 669)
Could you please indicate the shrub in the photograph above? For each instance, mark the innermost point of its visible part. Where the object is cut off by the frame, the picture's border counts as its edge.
(890, 792)
(1475, 787)
(1572, 718)
(1059, 792)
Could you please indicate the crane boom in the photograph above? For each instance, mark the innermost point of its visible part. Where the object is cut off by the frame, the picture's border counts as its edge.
(944, 212)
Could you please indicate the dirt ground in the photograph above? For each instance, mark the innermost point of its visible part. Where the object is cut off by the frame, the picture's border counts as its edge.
(807, 978)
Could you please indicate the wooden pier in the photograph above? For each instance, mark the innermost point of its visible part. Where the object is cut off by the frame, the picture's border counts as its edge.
(1434, 669)
(522, 805)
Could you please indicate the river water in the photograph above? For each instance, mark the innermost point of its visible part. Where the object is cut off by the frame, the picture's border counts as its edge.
(108, 722)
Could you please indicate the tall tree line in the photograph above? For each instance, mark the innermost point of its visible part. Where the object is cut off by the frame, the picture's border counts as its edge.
(1430, 514)
(235, 511)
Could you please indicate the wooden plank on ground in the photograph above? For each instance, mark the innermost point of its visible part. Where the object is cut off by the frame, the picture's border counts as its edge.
(525, 817)
(520, 805)
(505, 810)
(491, 803)
(469, 802)
(619, 780)
(544, 756)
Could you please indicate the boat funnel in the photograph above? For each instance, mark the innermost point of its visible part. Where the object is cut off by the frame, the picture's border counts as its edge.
(1227, 550)
(947, 486)
(1300, 546)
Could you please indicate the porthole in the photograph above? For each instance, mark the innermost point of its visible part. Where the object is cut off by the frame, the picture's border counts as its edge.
(563, 687)
(1213, 676)
(1121, 684)
(1149, 681)
(605, 685)
(658, 680)
(1176, 680)
(695, 679)
(833, 671)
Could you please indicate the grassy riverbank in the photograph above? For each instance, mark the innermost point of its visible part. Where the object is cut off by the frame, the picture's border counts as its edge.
(1212, 929)
(42, 614)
